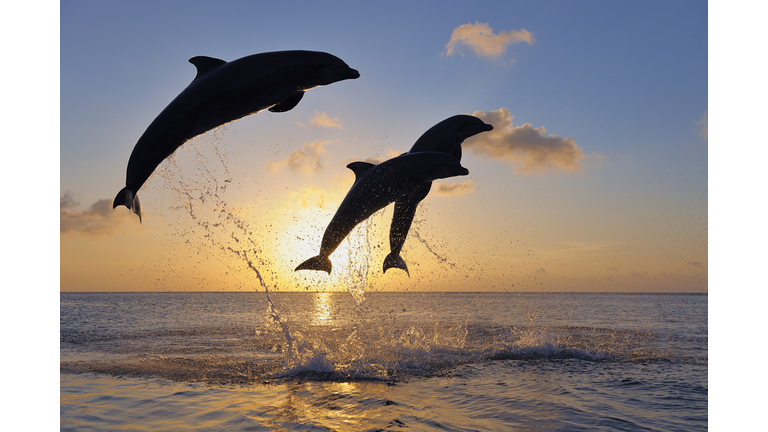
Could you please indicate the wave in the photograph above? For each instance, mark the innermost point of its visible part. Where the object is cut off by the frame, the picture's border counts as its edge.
(388, 353)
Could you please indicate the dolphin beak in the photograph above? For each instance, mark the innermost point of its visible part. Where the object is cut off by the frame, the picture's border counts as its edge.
(353, 74)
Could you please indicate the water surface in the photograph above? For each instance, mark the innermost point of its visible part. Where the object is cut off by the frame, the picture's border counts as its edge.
(425, 361)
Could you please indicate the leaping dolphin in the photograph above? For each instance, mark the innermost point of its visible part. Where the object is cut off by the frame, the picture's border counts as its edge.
(445, 137)
(375, 187)
(223, 92)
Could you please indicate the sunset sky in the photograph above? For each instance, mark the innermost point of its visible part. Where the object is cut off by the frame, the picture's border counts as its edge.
(595, 177)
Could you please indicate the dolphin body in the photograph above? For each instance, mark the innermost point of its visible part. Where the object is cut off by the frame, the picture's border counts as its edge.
(375, 187)
(445, 137)
(223, 92)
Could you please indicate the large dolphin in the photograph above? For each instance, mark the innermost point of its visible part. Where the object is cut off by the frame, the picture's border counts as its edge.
(223, 92)
(445, 137)
(375, 187)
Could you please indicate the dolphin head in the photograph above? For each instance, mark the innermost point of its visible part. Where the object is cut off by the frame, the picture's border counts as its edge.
(448, 135)
(320, 69)
(462, 126)
(449, 170)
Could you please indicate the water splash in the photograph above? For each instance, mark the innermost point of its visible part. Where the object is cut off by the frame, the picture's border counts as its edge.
(202, 197)
(357, 251)
(418, 221)
(373, 346)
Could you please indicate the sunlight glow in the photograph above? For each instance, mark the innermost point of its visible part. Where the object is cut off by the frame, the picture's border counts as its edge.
(323, 309)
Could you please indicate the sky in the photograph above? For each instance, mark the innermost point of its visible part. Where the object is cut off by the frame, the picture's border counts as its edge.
(595, 177)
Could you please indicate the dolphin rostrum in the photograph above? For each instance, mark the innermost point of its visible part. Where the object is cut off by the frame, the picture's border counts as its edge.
(445, 137)
(223, 92)
(375, 187)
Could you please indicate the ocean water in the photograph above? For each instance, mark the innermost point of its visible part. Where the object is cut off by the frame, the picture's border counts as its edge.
(383, 361)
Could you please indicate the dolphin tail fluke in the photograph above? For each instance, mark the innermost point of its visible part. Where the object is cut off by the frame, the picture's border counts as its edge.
(316, 263)
(127, 198)
(396, 261)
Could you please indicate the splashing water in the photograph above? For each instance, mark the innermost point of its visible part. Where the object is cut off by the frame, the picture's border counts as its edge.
(202, 197)
(372, 347)
(357, 251)
(418, 220)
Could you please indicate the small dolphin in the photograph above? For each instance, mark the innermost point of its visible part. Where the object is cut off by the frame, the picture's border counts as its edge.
(223, 92)
(375, 187)
(445, 137)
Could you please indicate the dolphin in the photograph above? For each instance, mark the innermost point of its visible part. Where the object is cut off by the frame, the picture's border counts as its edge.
(375, 187)
(223, 92)
(445, 137)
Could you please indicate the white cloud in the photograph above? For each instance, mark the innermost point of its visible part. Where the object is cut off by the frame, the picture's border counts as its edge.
(528, 149)
(453, 189)
(480, 38)
(306, 159)
(321, 119)
(100, 219)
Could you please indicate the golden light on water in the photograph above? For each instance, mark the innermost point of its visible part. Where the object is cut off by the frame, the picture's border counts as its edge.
(323, 314)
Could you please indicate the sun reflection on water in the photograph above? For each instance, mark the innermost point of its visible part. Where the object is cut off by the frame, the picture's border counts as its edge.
(322, 309)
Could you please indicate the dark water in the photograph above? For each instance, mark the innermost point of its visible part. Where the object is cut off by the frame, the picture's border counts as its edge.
(385, 361)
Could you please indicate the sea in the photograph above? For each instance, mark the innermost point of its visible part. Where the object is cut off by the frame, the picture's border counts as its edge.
(416, 361)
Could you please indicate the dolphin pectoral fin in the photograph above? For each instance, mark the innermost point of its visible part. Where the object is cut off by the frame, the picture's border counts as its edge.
(288, 103)
(395, 261)
(205, 65)
(316, 263)
(360, 168)
(127, 198)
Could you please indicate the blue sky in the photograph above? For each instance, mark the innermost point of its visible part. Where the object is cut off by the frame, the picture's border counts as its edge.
(622, 79)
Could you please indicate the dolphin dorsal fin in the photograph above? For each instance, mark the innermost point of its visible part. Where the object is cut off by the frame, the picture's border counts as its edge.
(205, 64)
(360, 168)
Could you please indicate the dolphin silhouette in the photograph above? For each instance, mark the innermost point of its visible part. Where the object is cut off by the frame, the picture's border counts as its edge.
(223, 92)
(445, 137)
(375, 187)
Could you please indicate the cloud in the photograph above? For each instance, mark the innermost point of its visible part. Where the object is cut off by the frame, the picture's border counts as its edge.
(326, 199)
(100, 219)
(453, 189)
(480, 38)
(704, 123)
(321, 119)
(528, 149)
(306, 159)
(311, 196)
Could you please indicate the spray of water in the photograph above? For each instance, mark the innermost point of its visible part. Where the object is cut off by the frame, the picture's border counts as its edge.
(374, 346)
(201, 197)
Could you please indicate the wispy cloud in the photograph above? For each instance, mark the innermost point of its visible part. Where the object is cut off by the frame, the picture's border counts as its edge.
(326, 199)
(528, 149)
(453, 189)
(100, 219)
(480, 38)
(306, 159)
(321, 119)
(704, 124)
(312, 196)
